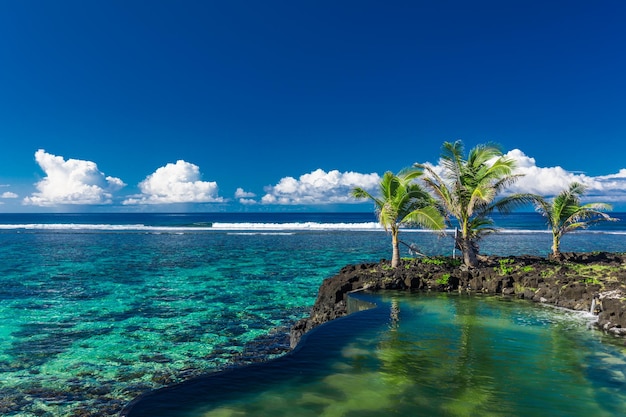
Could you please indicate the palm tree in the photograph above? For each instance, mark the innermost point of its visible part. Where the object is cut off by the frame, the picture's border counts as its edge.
(565, 214)
(468, 191)
(402, 201)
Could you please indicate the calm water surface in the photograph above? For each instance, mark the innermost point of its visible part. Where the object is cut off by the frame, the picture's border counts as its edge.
(424, 355)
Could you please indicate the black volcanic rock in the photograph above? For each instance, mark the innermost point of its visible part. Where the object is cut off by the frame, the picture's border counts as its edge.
(573, 282)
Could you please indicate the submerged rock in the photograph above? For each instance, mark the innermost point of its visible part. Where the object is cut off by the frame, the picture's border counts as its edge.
(574, 281)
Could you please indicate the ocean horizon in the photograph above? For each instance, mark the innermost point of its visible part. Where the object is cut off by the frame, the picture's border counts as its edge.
(531, 221)
(98, 308)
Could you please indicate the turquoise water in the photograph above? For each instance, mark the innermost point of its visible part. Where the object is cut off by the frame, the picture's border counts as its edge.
(428, 355)
(89, 320)
(96, 309)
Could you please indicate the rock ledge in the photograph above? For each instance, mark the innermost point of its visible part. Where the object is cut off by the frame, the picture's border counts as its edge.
(577, 281)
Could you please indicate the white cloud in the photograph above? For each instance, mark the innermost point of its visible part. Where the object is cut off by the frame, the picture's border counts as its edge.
(319, 187)
(176, 183)
(545, 181)
(9, 194)
(248, 201)
(71, 182)
(245, 197)
(549, 181)
(240, 193)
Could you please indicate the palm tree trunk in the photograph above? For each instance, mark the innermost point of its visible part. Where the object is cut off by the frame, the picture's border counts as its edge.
(395, 258)
(469, 253)
(464, 243)
(556, 244)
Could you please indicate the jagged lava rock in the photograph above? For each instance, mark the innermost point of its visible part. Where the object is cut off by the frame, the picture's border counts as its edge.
(573, 281)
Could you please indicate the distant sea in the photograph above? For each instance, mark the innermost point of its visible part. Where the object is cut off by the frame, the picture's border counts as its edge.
(97, 308)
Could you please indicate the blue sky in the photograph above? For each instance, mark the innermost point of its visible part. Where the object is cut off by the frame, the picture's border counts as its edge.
(283, 105)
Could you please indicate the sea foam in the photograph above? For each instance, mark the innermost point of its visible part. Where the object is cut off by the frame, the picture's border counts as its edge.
(214, 226)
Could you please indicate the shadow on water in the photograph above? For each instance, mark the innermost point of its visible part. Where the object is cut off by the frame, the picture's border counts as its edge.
(310, 361)
(431, 355)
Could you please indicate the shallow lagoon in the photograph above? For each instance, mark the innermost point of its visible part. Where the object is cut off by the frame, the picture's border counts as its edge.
(429, 355)
(96, 309)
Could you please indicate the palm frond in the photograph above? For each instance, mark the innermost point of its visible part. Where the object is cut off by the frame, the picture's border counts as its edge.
(481, 196)
(452, 159)
(481, 226)
(387, 216)
(571, 226)
(506, 182)
(399, 197)
(565, 213)
(481, 154)
(437, 186)
(469, 188)
(410, 173)
(597, 207)
(427, 217)
(590, 215)
(360, 193)
(507, 204)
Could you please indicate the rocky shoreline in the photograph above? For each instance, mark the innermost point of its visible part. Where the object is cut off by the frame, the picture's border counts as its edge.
(580, 281)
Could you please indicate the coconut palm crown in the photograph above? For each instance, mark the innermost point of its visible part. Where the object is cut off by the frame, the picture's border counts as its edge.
(467, 190)
(402, 201)
(565, 213)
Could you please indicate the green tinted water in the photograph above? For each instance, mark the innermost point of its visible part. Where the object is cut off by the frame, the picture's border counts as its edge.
(441, 356)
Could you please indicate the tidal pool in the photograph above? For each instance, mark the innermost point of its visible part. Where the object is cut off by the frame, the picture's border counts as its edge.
(422, 355)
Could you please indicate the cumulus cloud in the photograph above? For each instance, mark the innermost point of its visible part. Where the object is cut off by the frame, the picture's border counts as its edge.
(245, 197)
(176, 183)
(9, 194)
(319, 187)
(546, 181)
(240, 193)
(71, 182)
(549, 181)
